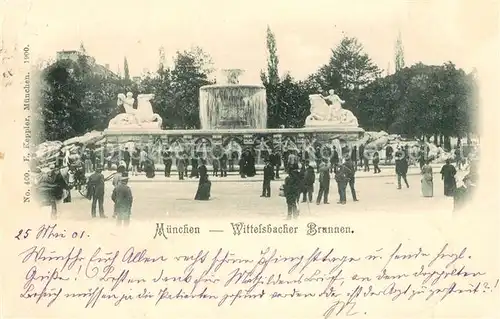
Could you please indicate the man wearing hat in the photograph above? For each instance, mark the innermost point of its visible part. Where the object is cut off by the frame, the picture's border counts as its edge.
(401, 167)
(350, 167)
(324, 182)
(291, 189)
(95, 191)
(268, 176)
(308, 182)
(342, 177)
(123, 199)
(126, 158)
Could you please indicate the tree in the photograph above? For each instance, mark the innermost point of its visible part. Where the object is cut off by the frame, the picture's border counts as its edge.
(292, 103)
(421, 101)
(161, 62)
(399, 60)
(191, 71)
(271, 81)
(294, 96)
(356, 69)
(324, 79)
(160, 84)
(75, 98)
(272, 76)
(348, 71)
(125, 69)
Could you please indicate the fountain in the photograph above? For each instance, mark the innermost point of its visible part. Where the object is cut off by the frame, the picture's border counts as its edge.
(233, 117)
(233, 105)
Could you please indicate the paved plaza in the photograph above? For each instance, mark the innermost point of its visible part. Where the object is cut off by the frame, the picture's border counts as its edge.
(232, 197)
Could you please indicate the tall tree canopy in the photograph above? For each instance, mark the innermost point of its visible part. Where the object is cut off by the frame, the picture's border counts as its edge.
(75, 98)
(348, 71)
(399, 56)
(126, 71)
(177, 90)
(355, 67)
(271, 81)
(272, 76)
(421, 101)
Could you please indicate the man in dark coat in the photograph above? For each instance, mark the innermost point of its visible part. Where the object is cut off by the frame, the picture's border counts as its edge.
(250, 170)
(123, 199)
(186, 164)
(223, 165)
(291, 189)
(180, 167)
(215, 166)
(401, 167)
(136, 155)
(167, 161)
(292, 160)
(354, 156)
(268, 176)
(388, 154)
(422, 156)
(126, 158)
(95, 189)
(406, 151)
(376, 161)
(448, 173)
(342, 178)
(334, 160)
(317, 157)
(324, 182)
(363, 160)
(242, 165)
(351, 167)
(286, 153)
(93, 157)
(276, 163)
(308, 182)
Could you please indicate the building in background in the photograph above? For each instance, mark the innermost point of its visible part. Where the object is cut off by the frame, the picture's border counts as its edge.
(74, 55)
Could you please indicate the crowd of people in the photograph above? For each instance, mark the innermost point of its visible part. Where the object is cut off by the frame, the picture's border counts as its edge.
(303, 170)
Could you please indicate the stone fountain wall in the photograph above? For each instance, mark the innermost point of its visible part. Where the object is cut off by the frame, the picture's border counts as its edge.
(215, 142)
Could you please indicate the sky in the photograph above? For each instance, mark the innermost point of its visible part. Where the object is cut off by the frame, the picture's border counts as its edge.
(233, 32)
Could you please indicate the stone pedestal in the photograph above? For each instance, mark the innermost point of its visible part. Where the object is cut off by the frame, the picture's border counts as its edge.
(126, 122)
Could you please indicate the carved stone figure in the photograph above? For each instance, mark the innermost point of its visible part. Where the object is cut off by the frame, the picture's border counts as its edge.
(233, 75)
(129, 117)
(145, 110)
(323, 114)
(140, 118)
(335, 101)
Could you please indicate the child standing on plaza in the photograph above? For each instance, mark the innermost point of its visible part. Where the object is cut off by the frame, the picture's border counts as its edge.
(122, 197)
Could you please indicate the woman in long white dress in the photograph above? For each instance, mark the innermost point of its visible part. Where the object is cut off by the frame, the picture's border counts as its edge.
(427, 180)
